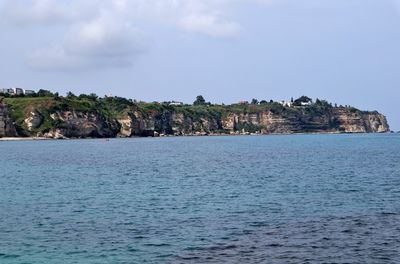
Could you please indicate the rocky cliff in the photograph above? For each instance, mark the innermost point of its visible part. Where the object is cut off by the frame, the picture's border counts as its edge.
(75, 124)
(7, 128)
(64, 118)
(361, 122)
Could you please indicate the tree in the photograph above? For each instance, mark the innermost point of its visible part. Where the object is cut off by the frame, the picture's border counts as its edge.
(302, 99)
(254, 101)
(263, 102)
(292, 100)
(199, 100)
(71, 95)
(93, 96)
(44, 93)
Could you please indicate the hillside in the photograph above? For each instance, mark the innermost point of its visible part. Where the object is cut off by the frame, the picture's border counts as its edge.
(92, 117)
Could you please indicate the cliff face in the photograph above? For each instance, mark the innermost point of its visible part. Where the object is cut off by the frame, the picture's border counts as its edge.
(356, 122)
(338, 120)
(334, 120)
(33, 119)
(269, 122)
(73, 124)
(7, 128)
(165, 122)
(54, 120)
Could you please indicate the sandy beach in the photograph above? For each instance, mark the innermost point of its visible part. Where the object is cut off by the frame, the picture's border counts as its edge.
(21, 138)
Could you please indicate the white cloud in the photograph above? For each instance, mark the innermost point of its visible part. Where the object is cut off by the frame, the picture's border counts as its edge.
(105, 37)
(187, 14)
(103, 42)
(103, 32)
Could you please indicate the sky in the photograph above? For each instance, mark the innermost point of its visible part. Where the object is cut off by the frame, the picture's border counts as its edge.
(344, 51)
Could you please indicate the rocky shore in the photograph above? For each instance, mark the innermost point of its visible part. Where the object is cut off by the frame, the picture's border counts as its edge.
(62, 118)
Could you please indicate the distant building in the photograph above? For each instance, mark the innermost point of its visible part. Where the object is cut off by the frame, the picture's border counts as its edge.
(286, 104)
(175, 103)
(16, 91)
(7, 91)
(29, 92)
(306, 103)
(243, 102)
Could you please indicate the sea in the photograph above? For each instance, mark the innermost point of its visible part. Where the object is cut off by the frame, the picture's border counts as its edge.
(234, 199)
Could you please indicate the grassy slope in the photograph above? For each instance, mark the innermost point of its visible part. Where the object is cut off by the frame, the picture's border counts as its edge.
(20, 107)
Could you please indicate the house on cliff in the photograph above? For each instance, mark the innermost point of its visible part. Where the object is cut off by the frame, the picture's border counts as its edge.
(27, 92)
(16, 91)
(174, 103)
(306, 103)
(286, 104)
(7, 91)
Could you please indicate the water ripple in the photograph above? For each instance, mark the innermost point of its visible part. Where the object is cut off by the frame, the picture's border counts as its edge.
(274, 199)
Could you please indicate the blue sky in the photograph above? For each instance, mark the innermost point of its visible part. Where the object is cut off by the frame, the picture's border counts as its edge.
(346, 51)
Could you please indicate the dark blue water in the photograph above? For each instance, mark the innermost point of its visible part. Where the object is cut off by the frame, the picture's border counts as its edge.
(267, 199)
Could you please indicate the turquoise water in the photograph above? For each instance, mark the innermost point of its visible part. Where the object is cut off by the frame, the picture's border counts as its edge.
(266, 199)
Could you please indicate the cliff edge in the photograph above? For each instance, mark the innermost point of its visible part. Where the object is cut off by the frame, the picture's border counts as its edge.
(83, 117)
(7, 128)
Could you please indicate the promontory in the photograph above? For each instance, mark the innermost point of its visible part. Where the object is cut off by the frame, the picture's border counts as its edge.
(49, 115)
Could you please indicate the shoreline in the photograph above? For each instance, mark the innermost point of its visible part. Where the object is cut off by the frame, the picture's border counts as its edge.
(23, 138)
(169, 136)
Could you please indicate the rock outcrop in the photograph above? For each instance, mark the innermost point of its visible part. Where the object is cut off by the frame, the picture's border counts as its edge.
(7, 128)
(83, 125)
(73, 124)
(175, 123)
(33, 120)
(56, 120)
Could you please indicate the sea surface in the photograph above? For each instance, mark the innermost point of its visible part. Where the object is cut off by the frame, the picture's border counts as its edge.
(260, 199)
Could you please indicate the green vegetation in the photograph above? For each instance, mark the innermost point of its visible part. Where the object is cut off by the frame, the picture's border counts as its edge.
(20, 106)
(114, 107)
(200, 101)
(302, 99)
(110, 109)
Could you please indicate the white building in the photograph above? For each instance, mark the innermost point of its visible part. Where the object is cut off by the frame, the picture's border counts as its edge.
(175, 103)
(29, 92)
(286, 104)
(7, 90)
(16, 91)
(306, 103)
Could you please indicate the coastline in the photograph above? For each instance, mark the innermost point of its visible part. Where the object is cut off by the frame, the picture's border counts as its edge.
(111, 117)
(23, 138)
(188, 135)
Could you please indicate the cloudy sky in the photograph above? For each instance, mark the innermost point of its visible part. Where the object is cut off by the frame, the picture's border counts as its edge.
(346, 51)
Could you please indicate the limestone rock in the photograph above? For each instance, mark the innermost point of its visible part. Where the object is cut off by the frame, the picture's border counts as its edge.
(33, 120)
(7, 128)
(75, 124)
